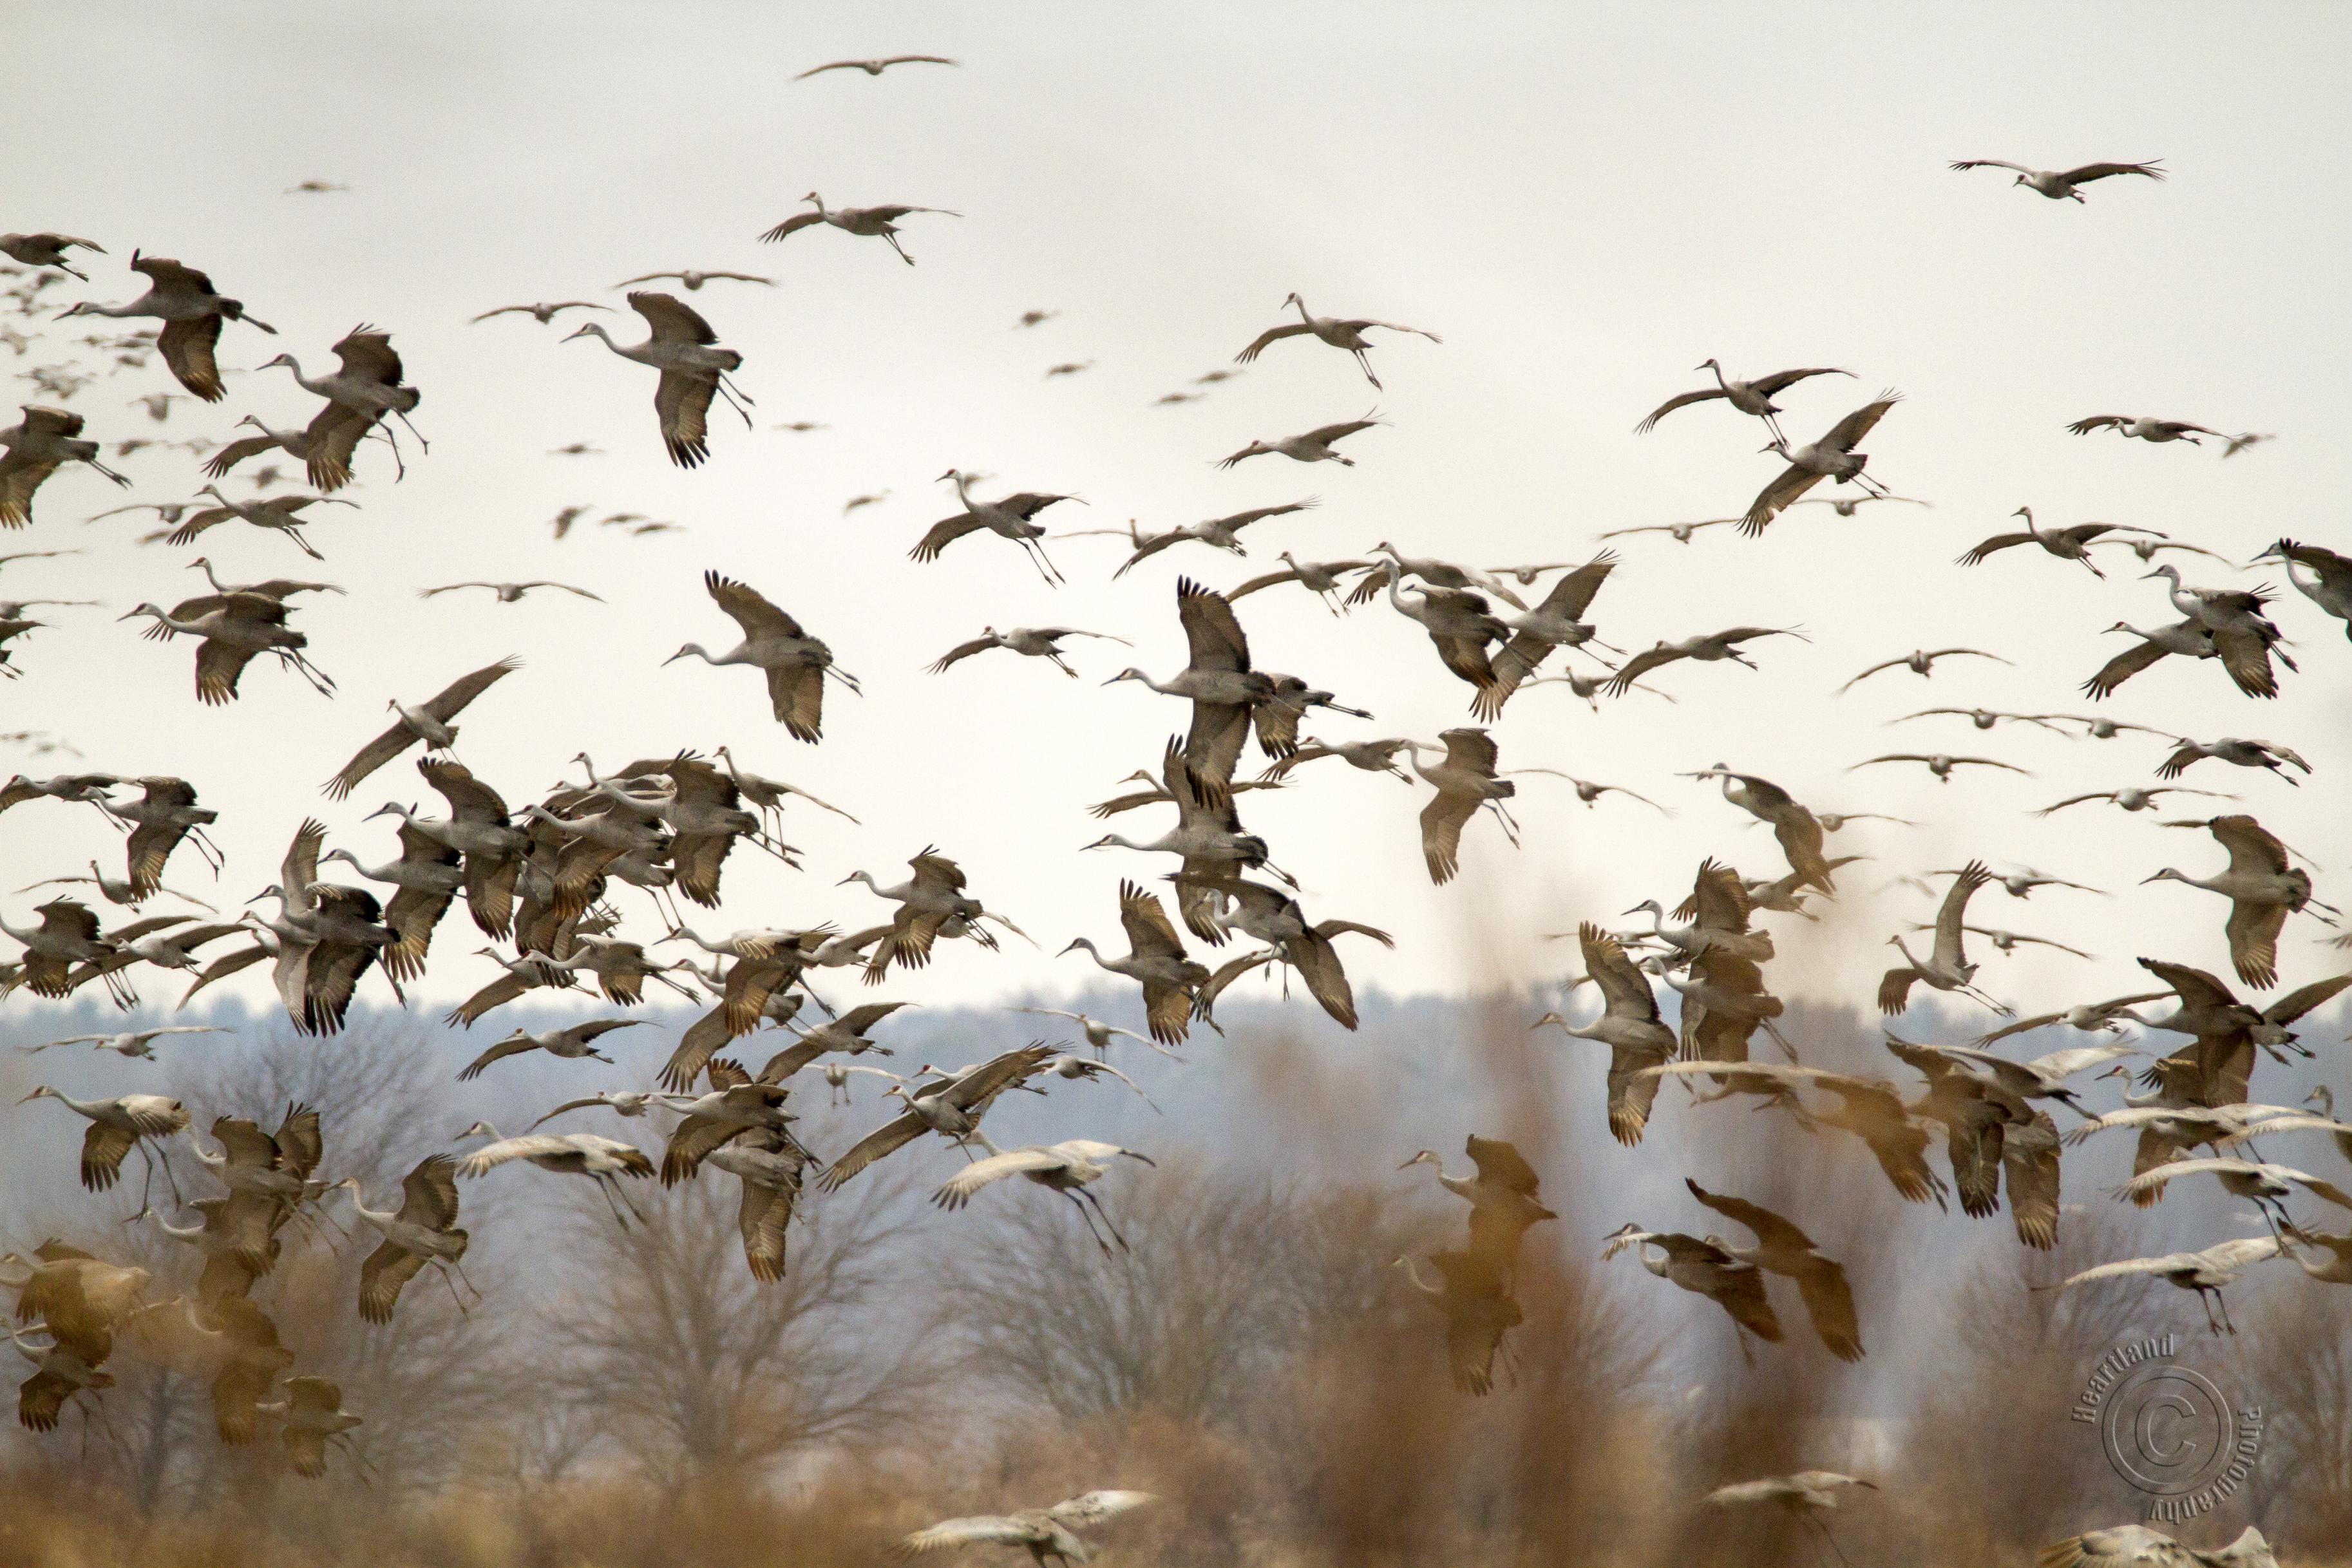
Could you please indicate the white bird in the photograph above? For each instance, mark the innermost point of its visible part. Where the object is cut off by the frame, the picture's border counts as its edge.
(1045, 1531)
(1070, 1167)
(2060, 185)
(136, 1044)
(1807, 1495)
(1316, 446)
(2206, 1274)
(603, 1160)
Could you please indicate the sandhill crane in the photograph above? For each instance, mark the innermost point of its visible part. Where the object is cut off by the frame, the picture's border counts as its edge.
(36, 445)
(873, 223)
(950, 1107)
(2267, 753)
(871, 498)
(1749, 397)
(232, 628)
(2145, 427)
(68, 934)
(1719, 908)
(2264, 887)
(2137, 1546)
(1503, 1194)
(1321, 578)
(794, 663)
(427, 722)
(1314, 447)
(1278, 920)
(1010, 517)
(1340, 332)
(1921, 662)
(1556, 622)
(1155, 960)
(311, 1416)
(572, 1043)
(1946, 969)
(768, 1163)
(508, 592)
(275, 1168)
(846, 1034)
(1869, 1108)
(2266, 1185)
(369, 384)
(1830, 457)
(1465, 780)
(1628, 1026)
(1808, 1495)
(2007, 941)
(1369, 755)
(694, 280)
(1941, 764)
(1033, 318)
(1035, 641)
(1705, 1268)
(874, 68)
(2066, 544)
(183, 299)
(1218, 680)
(769, 794)
(1983, 718)
(117, 1125)
(2326, 1256)
(1459, 625)
(1382, 575)
(134, 1045)
(2105, 1016)
(45, 249)
(2330, 586)
(2207, 1272)
(1070, 1167)
(932, 903)
(277, 514)
(1098, 1033)
(682, 346)
(2189, 639)
(542, 312)
(323, 436)
(1045, 1531)
(1681, 531)
(1800, 833)
(1782, 1249)
(2060, 185)
(1471, 1293)
(116, 890)
(1709, 649)
(2243, 638)
(1847, 506)
(1221, 533)
(1068, 368)
(423, 1230)
(603, 1160)
(1208, 835)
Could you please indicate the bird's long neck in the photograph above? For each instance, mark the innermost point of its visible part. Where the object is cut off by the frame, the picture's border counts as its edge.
(1903, 949)
(485, 1130)
(1719, 382)
(1304, 314)
(1413, 1272)
(184, 1232)
(130, 310)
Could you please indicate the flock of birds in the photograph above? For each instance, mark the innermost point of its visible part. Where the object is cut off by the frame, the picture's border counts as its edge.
(548, 881)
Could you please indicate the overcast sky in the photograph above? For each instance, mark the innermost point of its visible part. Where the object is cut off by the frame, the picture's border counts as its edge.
(1583, 201)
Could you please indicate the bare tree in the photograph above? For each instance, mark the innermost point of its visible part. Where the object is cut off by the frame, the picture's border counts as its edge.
(2298, 1362)
(700, 1371)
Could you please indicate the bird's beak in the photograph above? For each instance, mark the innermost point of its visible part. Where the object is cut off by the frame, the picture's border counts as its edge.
(34, 1095)
(1071, 948)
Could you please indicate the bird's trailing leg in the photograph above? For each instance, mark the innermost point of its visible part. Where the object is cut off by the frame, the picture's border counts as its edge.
(729, 398)
(1366, 365)
(1827, 1537)
(1089, 1218)
(463, 1311)
(895, 246)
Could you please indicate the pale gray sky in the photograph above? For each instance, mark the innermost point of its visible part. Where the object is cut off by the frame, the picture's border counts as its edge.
(1585, 202)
